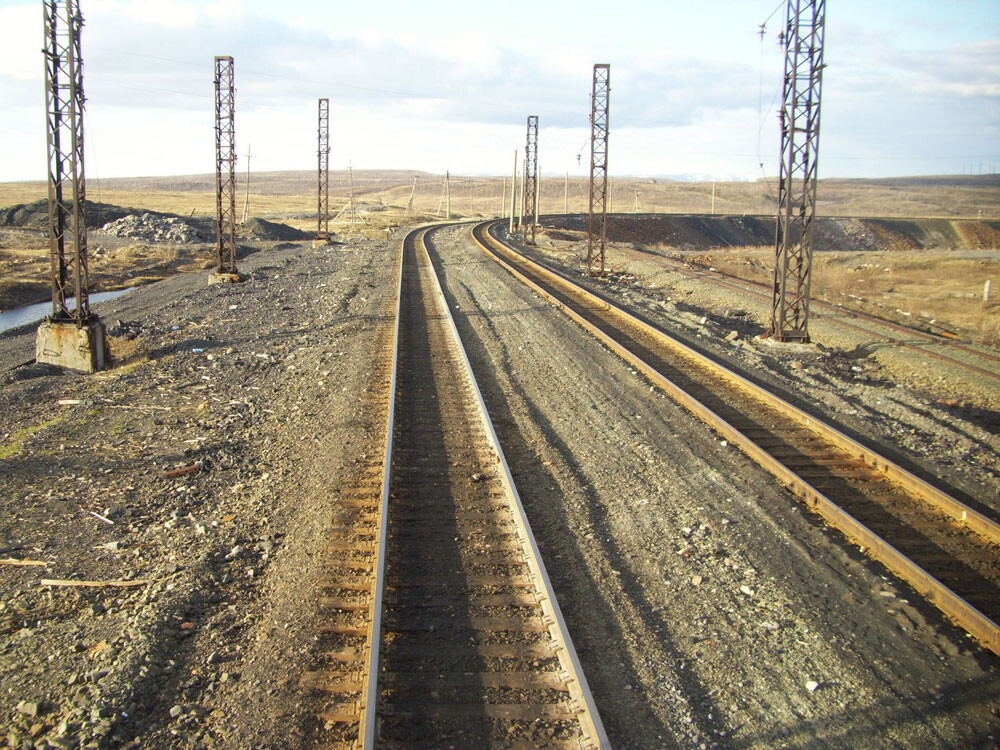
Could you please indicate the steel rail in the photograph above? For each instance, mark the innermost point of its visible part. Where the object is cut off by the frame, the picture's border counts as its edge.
(735, 282)
(367, 728)
(962, 612)
(592, 729)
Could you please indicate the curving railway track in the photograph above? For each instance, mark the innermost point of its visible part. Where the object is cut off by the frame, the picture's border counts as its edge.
(946, 550)
(442, 627)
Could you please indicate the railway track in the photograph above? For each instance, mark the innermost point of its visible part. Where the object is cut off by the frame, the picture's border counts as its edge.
(835, 314)
(946, 550)
(443, 630)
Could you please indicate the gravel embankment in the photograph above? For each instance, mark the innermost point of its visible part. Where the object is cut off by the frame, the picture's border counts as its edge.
(258, 385)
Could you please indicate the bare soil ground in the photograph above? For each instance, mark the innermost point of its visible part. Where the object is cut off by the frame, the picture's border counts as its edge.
(259, 385)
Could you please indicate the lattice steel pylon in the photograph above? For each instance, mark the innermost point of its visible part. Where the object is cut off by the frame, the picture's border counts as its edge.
(225, 167)
(323, 172)
(64, 101)
(803, 37)
(599, 125)
(530, 180)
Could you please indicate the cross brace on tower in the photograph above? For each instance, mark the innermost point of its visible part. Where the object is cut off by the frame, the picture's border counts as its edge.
(225, 170)
(803, 37)
(599, 125)
(323, 173)
(70, 338)
(530, 180)
(67, 185)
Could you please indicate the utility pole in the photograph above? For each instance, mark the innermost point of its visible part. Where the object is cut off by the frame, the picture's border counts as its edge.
(530, 179)
(805, 30)
(246, 202)
(447, 195)
(323, 172)
(409, 202)
(635, 208)
(599, 126)
(513, 193)
(520, 210)
(72, 339)
(538, 195)
(225, 172)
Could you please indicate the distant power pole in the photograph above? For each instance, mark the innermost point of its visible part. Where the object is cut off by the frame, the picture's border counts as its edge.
(225, 168)
(323, 172)
(71, 339)
(530, 180)
(520, 208)
(246, 202)
(599, 125)
(409, 203)
(513, 195)
(447, 196)
(636, 207)
(804, 34)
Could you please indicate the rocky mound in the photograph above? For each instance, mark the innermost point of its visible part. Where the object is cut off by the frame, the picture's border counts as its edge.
(153, 227)
(36, 215)
(261, 229)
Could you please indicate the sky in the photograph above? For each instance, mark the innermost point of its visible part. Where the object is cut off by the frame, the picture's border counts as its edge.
(911, 86)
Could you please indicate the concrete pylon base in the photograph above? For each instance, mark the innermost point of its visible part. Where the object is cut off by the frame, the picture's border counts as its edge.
(71, 347)
(225, 278)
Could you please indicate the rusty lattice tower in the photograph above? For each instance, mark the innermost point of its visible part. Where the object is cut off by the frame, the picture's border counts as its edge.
(225, 167)
(323, 172)
(599, 124)
(530, 180)
(64, 102)
(803, 37)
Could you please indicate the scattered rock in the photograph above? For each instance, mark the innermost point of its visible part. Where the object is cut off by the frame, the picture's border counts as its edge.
(29, 708)
(147, 226)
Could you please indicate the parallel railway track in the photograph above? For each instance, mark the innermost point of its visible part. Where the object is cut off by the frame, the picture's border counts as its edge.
(443, 627)
(946, 550)
(835, 315)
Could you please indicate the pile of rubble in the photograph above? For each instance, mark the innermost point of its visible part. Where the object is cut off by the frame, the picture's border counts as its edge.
(152, 227)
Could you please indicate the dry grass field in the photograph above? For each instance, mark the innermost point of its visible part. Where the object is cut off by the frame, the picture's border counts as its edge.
(276, 195)
(945, 286)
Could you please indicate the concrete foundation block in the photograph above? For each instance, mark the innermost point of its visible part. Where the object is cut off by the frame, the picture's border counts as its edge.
(225, 278)
(71, 347)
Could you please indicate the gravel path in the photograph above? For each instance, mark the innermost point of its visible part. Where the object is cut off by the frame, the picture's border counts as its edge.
(708, 607)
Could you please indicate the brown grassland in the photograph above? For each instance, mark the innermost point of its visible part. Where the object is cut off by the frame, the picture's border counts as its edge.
(944, 285)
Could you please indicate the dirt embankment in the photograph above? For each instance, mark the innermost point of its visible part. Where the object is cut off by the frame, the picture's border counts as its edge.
(698, 232)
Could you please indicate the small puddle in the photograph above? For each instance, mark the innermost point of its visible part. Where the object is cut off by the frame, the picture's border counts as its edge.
(30, 313)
